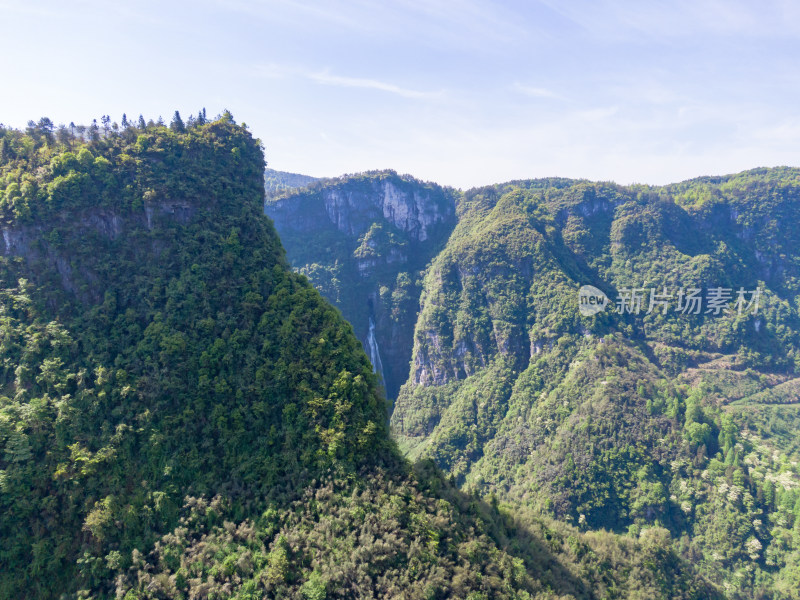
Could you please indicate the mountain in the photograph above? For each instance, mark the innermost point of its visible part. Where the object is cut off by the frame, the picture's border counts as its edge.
(364, 242)
(277, 182)
(624, 419)
(182, 416)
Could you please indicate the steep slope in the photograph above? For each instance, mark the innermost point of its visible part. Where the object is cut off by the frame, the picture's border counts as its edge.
(363, 241)
(620, 421)
(181, 416)
(154, 335)
(605, 420)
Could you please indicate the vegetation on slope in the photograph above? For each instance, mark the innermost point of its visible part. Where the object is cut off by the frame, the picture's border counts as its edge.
(619, 421)
(182, 416)
(277, 182)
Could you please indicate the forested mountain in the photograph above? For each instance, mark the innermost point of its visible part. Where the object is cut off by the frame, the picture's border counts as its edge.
(182, 416)
(680, 414)
(364, 241)
(277, 182)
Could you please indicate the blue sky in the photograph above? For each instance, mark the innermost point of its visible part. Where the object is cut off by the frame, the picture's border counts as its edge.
(461, 92)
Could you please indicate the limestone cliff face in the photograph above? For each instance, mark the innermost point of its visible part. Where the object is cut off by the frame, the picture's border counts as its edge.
(353, 207)
(34, 243)
(364, 241)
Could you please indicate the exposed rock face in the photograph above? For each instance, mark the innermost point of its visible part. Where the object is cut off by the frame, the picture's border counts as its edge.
(107, 223)
(33, 243)
(364, 241)
(353, 209)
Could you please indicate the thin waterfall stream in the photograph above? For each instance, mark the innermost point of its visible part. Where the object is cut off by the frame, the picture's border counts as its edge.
(374, 350)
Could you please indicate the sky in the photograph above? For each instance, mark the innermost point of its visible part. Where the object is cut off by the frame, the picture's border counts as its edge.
(460, 92)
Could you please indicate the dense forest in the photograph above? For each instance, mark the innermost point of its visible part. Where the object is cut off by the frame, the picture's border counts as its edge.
(669, 417)
(182, 416)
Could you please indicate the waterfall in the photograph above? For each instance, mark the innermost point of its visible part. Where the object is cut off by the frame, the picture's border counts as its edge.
(374, 352)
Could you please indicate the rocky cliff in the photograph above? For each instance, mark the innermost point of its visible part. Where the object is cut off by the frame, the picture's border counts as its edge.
(364, 241)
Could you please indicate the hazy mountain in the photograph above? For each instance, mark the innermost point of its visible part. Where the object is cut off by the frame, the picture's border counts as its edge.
(277, 182)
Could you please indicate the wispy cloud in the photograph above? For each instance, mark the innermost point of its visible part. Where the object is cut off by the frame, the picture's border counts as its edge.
(326, 78)
(282, 71)
(465, 24)
(622, 19)
(536, 92)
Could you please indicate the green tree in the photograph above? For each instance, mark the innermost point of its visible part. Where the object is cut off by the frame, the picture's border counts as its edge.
(177, 123)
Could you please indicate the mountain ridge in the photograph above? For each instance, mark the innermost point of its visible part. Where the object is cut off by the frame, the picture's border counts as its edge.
(181, 416)
(511, 391)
